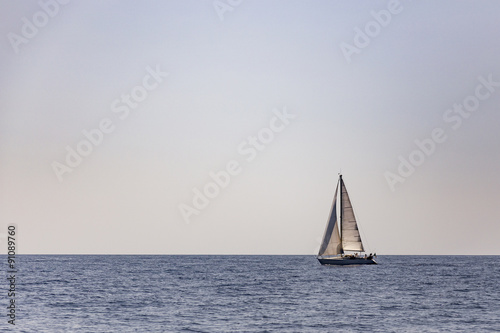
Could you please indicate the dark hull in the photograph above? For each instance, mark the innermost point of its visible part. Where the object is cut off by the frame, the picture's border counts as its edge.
(346, 261)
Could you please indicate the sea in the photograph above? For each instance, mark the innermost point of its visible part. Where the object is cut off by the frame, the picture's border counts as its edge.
(205, 293)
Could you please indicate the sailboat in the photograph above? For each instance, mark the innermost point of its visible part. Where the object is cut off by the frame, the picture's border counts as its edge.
(335, 243)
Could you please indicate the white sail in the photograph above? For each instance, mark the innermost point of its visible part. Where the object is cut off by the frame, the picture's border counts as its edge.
(351, 239)
(331, 244)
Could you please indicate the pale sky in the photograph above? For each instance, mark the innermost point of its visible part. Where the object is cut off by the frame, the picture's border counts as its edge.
(283, 94)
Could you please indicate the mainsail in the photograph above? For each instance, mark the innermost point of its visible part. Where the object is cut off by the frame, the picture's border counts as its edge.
(351, 240)
(331, 244)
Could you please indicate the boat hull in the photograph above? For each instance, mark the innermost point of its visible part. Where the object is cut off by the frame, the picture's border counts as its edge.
(346, 261)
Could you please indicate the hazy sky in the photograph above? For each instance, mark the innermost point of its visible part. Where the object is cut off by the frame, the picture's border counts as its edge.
(281, 94)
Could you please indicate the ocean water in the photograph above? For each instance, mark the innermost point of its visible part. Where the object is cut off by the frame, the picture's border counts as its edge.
(255, 294)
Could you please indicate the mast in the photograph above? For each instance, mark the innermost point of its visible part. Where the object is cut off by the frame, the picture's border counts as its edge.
(341, 211)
